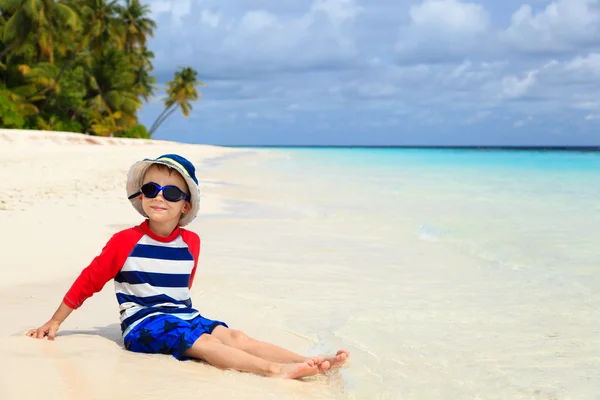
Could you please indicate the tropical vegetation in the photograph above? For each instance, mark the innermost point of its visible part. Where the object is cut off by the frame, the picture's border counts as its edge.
(83, 66)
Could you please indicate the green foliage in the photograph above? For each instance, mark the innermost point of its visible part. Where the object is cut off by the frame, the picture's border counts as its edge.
(72, 92)
(10, 117)
(181, 91)
(81, 66)
(139, 132)
(54, 122)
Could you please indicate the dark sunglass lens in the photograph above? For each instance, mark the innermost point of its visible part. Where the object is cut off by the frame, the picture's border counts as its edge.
(149, 190)
(172, 193)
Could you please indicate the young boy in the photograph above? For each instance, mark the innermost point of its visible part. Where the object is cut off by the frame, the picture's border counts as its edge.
(153, 267)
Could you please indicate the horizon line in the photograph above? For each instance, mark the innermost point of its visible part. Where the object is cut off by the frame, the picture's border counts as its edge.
(449, 147)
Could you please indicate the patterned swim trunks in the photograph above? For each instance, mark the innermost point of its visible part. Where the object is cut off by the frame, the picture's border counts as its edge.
(168, 334)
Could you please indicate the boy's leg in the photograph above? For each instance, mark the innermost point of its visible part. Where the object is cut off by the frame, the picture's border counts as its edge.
(216, 353)
(268, 351)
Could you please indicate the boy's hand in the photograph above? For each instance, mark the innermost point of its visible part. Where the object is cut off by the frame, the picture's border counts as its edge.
(48, 329)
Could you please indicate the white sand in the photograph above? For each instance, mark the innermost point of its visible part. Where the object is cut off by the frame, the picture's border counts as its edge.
(61, 197)
(313, 256)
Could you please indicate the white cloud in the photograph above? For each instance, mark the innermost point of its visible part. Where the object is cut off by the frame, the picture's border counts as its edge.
(262, 40)
(181, 9)
(587, 105)
(522, 122)
(472, 86)
(461, 69)
(264, 34)
(451, 16)
(564, 25)
(443, 29)
(158, 7)
(338, 11)
(258, 21)
(333, 61)
(589, 63)
(176, 10)
(479, 116)
(209, 18)
(514, 87)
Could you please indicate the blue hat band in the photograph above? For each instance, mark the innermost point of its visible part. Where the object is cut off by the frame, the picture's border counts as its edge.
(178, 162)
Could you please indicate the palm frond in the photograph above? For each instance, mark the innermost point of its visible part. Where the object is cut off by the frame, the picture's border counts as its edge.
(17, 27)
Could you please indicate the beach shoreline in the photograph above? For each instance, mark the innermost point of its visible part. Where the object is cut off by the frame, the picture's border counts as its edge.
(447, 275)
(62, 196)
(25, 136)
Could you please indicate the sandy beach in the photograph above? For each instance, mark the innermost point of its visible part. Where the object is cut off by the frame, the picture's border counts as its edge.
(61, 198)
(447, 275)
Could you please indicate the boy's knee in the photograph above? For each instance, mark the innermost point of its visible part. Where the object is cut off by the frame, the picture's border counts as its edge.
(204, 345)
(238, 337)
(208, 339)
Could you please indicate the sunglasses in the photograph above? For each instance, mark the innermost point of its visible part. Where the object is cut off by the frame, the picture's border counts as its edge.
(170, 193)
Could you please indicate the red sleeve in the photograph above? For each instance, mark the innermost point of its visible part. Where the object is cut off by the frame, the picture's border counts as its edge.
(103, 267)
(193, 242)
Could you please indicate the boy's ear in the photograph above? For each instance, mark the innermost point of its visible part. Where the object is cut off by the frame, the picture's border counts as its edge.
(140, 197)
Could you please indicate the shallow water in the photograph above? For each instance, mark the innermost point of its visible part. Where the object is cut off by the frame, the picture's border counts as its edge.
(447, 274)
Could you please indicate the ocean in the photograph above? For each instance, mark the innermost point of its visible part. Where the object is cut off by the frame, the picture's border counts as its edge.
(448, 274)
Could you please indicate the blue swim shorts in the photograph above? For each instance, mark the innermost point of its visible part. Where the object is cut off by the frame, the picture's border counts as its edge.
(168, 334)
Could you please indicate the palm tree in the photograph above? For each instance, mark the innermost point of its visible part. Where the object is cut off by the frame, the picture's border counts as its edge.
(144, 83)
(111, 95)
(40, 17)
(19, 99)
(101, 29)
(2, 25)
(59, 74)
(180, 92)
(105, 24)
(15, 30)
(141, 60)
(138, 26)
(39, 80)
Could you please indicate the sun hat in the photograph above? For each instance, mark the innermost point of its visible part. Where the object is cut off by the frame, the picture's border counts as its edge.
(135, 178)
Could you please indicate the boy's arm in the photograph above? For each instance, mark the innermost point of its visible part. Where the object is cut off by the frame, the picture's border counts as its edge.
(193, 242)
(51, 327)
(91, 280)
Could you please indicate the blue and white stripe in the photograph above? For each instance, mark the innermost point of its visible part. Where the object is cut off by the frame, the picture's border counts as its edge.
(154, 280)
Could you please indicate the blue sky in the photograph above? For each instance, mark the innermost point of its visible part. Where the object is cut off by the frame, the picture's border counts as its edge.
(383, 72)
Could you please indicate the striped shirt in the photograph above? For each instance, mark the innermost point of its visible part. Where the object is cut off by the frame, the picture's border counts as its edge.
(152, 274)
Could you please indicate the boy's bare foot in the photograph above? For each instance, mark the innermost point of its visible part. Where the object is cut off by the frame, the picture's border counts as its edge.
(298, 370)
(334, 361)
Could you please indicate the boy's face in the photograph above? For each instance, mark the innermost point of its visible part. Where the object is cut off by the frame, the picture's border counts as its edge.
(159, 209)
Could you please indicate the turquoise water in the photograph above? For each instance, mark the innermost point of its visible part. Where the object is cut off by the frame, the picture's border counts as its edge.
(449, 274)
(522, 208)
(459, 158)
